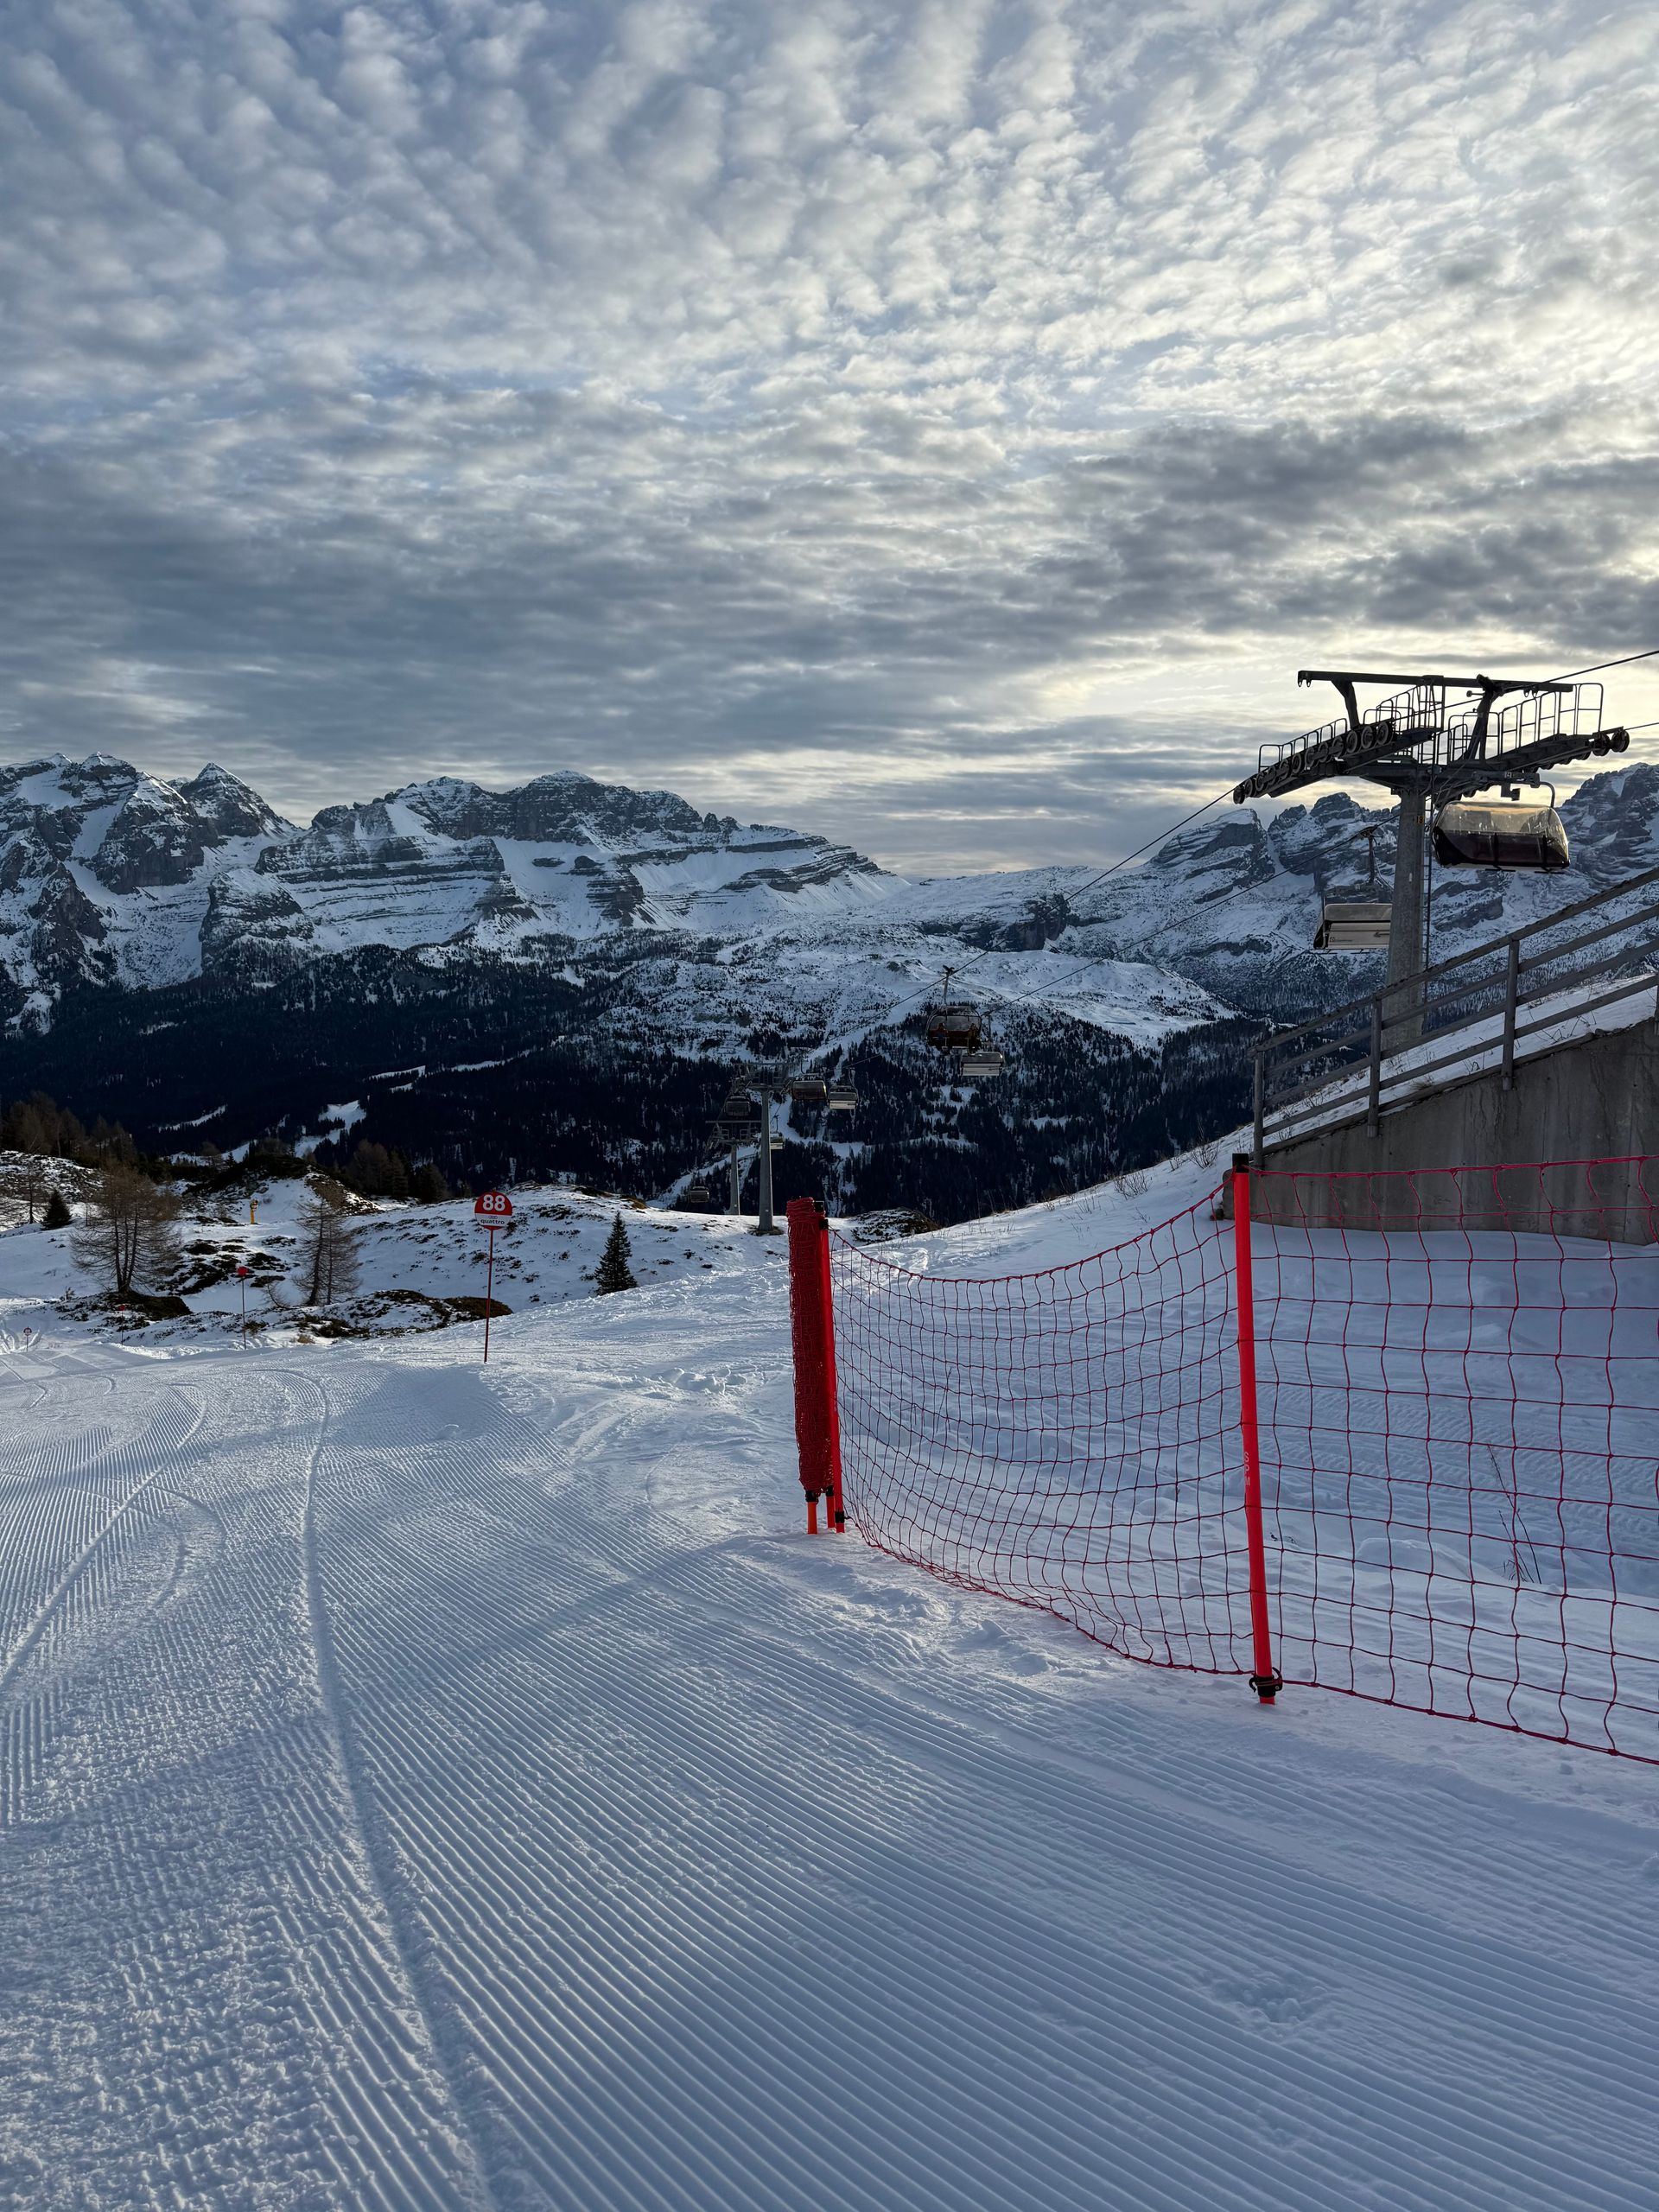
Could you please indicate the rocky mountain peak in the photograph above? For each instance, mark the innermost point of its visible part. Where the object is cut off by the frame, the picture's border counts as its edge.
(224, 803)
(1613, 823)
(562, 808)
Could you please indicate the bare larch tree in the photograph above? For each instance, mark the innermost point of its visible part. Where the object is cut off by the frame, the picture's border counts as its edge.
(328, 1245)
(128, 1234)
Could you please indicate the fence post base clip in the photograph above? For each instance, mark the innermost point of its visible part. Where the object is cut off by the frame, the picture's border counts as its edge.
(1268, 1687)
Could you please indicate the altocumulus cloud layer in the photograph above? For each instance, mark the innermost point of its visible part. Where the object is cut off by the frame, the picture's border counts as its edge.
(945, 424)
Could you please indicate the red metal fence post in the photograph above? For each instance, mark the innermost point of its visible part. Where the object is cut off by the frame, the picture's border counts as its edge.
(809, 1334)
(1266, 1680)
(831, 1393)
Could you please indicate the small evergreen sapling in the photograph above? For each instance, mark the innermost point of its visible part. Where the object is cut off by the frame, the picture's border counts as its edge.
(57, 1214)
(614, 1273)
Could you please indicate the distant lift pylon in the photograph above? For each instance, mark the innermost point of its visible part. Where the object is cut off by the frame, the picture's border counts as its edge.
(745, 1118)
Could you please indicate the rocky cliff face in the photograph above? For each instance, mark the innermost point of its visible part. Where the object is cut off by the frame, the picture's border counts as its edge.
(109, 877)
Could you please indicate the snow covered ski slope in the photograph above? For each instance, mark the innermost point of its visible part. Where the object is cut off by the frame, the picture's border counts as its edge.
(433, 1787)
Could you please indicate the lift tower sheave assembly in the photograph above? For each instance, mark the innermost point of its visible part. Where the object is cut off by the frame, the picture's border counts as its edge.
(1434, 741)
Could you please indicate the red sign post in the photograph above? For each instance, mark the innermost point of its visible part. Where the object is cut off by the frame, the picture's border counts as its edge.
(494, 1211)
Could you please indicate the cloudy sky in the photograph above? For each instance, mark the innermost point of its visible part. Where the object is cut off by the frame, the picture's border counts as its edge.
(943, 423)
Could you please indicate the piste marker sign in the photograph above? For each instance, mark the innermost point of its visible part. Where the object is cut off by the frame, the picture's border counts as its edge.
(494, 1211)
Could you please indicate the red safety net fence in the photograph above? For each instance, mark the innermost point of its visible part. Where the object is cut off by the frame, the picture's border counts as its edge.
(1457, 1408)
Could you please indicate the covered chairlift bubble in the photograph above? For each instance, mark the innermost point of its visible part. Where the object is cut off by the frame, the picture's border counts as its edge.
(813, 1090)
(953, 1024)
(697, 1198)
(1508, 832)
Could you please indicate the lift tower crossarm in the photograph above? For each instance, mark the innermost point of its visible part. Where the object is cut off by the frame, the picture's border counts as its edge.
(1389, 752)
(1451, 683)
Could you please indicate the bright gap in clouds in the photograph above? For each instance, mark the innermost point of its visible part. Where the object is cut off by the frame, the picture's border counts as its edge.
(947, 427)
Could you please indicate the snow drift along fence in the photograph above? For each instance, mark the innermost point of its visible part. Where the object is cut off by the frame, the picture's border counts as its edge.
(1457, 1417)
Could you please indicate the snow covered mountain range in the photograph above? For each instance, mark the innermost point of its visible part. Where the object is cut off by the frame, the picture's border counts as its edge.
(607, 926)
(110, 877)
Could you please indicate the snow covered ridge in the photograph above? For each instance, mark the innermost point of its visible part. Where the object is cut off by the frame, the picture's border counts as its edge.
(110, 877)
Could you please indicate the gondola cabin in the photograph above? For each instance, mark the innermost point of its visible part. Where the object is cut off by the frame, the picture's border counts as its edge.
(1353, 925)
(1508, 833)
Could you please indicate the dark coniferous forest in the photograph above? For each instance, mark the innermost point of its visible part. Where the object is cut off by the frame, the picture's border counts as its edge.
(499, 1073)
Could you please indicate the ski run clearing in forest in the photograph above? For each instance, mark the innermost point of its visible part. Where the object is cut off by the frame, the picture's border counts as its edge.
(431, 1786)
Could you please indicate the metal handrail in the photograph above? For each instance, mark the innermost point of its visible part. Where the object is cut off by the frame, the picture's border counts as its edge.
(1538, 962)
(1462, 959)
(1411, 996)
(1407, 1079)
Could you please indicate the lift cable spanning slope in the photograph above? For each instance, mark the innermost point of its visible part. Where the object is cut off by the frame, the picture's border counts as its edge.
(1158, 838)
(1171, 829)
(1101, 960)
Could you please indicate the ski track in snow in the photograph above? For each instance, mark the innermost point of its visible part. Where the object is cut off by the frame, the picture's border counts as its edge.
(428, 1788)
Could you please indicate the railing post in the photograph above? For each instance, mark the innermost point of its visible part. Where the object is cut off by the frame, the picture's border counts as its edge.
(1265, 1681)
(1374, 1098)
(1511, 994)
(817, 1427)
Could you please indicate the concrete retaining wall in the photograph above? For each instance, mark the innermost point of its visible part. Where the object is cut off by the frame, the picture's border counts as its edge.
(1596, 1100)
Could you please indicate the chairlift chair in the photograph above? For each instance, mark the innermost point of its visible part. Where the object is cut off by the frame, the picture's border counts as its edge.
(1353, 925)
(839, 1098)
(1508, 832)
(1356, 924)
(953, 1024)
(696, 1198)
(977, 1066)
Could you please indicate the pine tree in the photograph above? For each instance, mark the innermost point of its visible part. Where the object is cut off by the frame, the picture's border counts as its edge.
(57, 1214)
(614, 1273)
